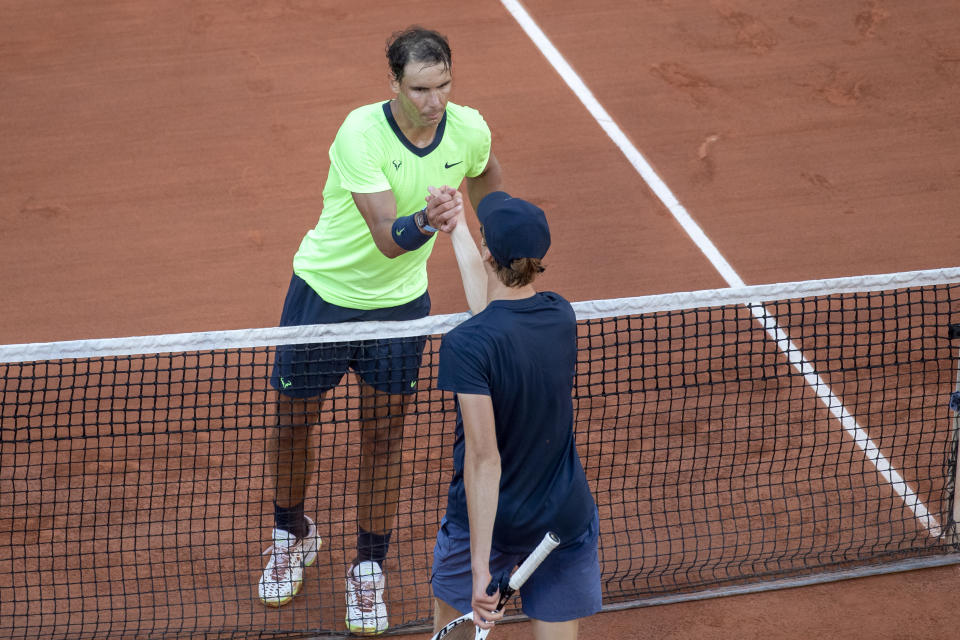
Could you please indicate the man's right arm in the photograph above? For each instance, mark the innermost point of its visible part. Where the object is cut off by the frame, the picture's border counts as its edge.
(481, 480)
(355, 155)
(469, 262)
(379, 211)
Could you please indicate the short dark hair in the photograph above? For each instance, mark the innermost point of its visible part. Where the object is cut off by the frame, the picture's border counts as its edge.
(521, 272)
(417, 43)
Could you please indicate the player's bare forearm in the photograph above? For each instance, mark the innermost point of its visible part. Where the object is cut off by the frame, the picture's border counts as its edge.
(470, 264)
(379, 211)
(481, 476)
(487, 182)
(482, 482)
(471, 267)
(482, 485)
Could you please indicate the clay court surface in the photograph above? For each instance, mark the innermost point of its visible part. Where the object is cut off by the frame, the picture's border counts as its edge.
(161, 161)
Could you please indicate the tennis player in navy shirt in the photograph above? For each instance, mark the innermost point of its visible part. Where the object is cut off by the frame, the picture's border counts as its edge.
(517, 473)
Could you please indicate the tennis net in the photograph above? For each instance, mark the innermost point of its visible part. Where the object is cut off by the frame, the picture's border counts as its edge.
(733, 438)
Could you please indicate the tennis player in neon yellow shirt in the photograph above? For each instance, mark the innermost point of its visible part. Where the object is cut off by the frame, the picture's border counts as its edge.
(371, 157)
(366, 260)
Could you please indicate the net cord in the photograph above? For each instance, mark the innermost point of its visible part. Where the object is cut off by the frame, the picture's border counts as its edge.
(440, 324)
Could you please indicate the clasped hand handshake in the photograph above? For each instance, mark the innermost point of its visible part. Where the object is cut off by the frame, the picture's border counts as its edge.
(444, 208)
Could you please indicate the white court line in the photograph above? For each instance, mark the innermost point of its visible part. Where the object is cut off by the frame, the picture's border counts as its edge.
(796, 358)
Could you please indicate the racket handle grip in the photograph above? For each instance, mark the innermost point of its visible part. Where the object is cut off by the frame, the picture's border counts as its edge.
(548, 544)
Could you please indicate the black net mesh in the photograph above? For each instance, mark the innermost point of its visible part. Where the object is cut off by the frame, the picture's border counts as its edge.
(725, 445)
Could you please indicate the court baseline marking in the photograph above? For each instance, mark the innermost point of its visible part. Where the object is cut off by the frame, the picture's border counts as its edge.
(794, 356)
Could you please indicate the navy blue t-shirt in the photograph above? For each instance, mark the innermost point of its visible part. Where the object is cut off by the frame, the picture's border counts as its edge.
(523, 354)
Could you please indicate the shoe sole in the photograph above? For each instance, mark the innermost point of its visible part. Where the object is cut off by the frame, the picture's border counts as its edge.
(308, 561)
(360, 631)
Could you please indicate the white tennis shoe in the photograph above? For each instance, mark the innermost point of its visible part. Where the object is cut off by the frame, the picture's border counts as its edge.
(366, 611)
(283, 576)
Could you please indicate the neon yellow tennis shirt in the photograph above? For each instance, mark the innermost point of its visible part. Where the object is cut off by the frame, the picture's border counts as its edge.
(338, 258)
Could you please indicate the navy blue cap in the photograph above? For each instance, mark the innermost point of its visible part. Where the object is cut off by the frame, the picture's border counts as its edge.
(513, 228)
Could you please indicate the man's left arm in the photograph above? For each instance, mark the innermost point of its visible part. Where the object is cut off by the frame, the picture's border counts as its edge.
(489, 180)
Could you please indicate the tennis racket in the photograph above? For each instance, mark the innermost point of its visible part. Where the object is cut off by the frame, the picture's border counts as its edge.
(463, 628)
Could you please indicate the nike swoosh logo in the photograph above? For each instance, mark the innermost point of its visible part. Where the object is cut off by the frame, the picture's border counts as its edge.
(400, 231)
(447, 165)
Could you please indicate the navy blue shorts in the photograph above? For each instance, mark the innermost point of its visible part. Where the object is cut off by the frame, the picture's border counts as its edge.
(565, 587)
(306, 370)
